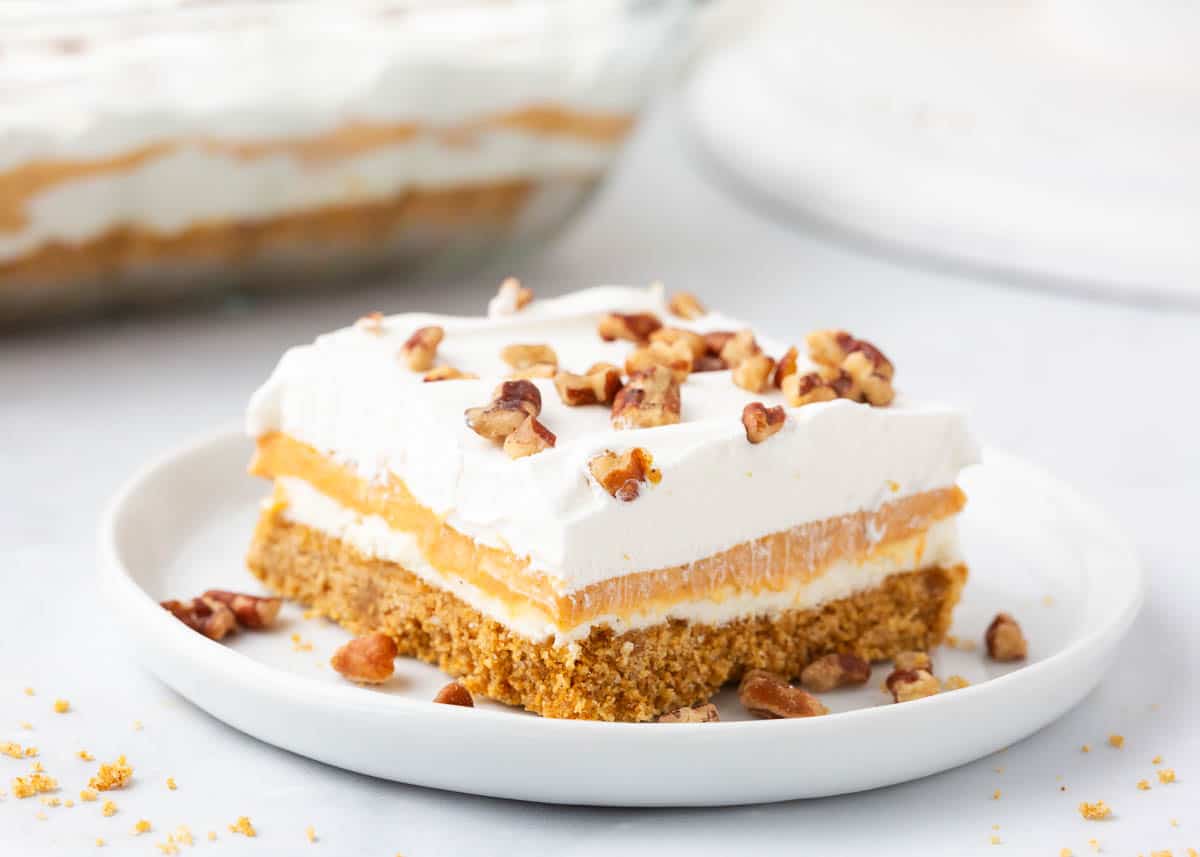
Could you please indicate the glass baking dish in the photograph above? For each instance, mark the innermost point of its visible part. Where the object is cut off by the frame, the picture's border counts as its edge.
(154, 149)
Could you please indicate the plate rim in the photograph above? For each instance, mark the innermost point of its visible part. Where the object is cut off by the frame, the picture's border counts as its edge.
(241, 671)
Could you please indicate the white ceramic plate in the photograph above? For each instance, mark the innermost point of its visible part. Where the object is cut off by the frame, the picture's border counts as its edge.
(1037, 549)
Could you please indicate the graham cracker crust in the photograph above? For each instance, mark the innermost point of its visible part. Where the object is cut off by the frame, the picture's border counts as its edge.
(631, 677)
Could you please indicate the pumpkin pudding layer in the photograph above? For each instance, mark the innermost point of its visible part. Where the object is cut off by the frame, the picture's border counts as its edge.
(614, 553)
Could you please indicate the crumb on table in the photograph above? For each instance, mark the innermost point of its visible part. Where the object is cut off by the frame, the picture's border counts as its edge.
(243, 826)
(112, 775)
(1095, 811)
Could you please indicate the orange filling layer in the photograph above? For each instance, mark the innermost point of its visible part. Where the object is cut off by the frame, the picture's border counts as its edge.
(768, 563)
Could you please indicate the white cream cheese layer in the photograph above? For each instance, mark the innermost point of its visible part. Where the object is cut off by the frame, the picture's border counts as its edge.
(372, 537)
(348, 396)
(214, 187)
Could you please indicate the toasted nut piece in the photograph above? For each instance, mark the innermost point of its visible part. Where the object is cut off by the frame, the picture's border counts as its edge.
(602, 366)
(530, 437)
(786, 366)
(876, 389)
(832, 347)
(525, 356)
(704, 713)
(708, 363)
(635, 327)
(206, 615)
(537, 370)
(455, 694)
(421, 348)
(371, 323)
(913, 661)
(686, 305)
(447, 373)
(739, 347)
(1004, 639)
(806, 389)
(672, 335)
(765, 694)
(622, 475)
(761, 422)
(512, 402)
(754, 373)
(835, 671)
(369, 659)
(842, 383)
(716, 340)
(677, 357)
(651, 398)
(907, 685)
(510, 299)
(598, 387)
(251, 611)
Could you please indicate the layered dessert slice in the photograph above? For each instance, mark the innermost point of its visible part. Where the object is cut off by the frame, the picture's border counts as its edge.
(608, 505)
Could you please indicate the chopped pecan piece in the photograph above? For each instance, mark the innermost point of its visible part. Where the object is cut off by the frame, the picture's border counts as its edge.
(651, 398)
(673, 335)
(686, 305)
(708, 363)
(807, 388)
(761, 422)
(537, 370)
(636, 327)
(510, 299)
(907, 685)
(716, 340)
(754, 373)
(447, 373)
(530, 437)
(913, 661)
(622, 475)
(369, 659)
(874, 387)
(738, 347)
(255, 612)
(205, 615)
(371, 323)
(676, 357)
(421, 348)
(833, 671)
(1004, 639)
(526, 356)
(704, 713)
(512, 402)
(455, 694)
(598, 387)
(765, 694)
(786, 366)
(832, 347)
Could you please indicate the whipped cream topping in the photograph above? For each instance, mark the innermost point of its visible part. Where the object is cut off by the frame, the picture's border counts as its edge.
(372, 537)
(348, 396)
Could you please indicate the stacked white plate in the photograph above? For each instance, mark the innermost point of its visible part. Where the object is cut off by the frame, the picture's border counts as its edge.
(1055, 140)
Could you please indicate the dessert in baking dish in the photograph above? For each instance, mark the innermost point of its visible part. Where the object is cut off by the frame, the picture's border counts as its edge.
(176, 146)
(609, 504)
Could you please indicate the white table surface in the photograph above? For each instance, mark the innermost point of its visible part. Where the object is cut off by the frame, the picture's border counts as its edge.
(1102, 394)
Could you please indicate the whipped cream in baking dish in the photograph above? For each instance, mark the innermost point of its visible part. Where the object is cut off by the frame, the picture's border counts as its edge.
(348, 396)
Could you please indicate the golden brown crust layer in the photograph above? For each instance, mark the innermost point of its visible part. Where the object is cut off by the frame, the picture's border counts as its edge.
(632, 677)
(770, 562)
